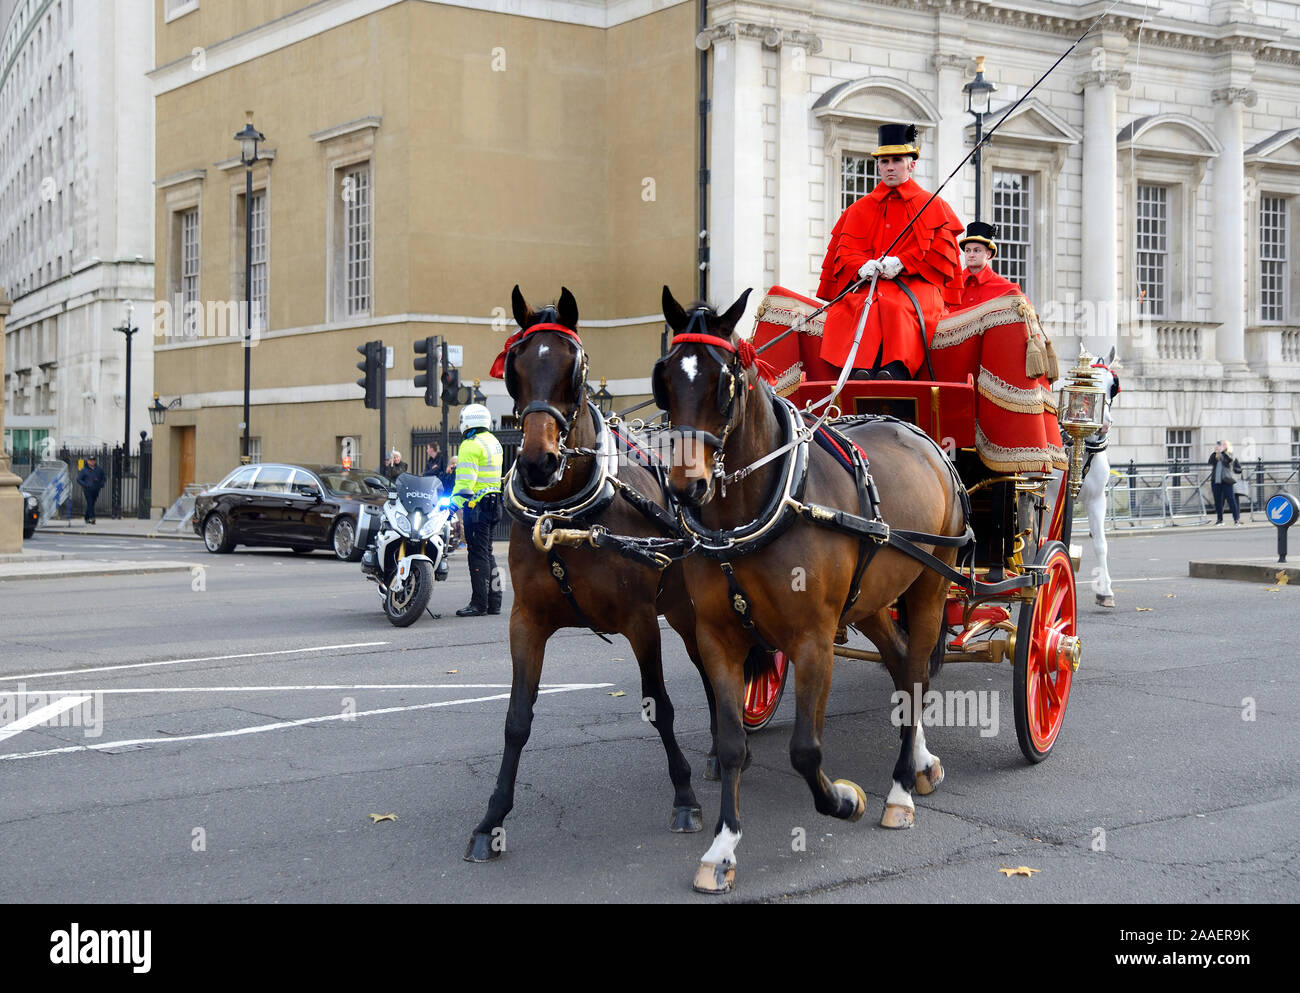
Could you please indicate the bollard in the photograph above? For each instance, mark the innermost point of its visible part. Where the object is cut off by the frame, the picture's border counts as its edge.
(1282, 509)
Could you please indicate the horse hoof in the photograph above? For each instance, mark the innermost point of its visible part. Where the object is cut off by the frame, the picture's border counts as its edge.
(714, 878)
(686, 820)
(1105, 601)
(482, 849)
(848, 789)
(712, 770)
(896, 817)
(928, 780)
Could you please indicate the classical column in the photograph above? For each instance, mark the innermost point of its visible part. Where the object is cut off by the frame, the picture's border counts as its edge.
(950, 142)
(11, 501)
(735, 163)
(1229, 264)
(793, 168)
(1100, 207)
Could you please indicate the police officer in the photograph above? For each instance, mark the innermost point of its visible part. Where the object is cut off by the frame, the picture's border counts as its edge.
(477, 494)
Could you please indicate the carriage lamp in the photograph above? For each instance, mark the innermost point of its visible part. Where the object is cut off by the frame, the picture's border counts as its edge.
(1080, 412)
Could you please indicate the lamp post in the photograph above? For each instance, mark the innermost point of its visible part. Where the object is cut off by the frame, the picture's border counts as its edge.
(129, 331)
(248, 139)
(604, 398)
(979, 94)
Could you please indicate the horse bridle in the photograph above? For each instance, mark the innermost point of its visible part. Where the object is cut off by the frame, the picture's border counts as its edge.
(549, 322)
(696, 332)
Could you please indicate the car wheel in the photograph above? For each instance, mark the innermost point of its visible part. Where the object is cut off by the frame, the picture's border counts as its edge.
(216, 535)
(344, 540)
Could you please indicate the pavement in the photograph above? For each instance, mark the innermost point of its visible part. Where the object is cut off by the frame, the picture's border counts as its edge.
(127, 527)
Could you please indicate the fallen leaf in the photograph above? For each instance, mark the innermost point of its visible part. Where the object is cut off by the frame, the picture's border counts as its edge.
(1282, 577)
(618, 660)
(618, 693)
(1170, 596)
(1272, 589)
(1144, 608)
(1038, 839)
(1020, 870)
(452, 672)
(376, 818)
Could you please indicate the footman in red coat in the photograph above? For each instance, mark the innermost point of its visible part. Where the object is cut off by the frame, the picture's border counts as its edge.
(979, 282)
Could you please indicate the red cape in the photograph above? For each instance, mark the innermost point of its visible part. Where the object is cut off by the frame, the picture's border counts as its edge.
(984, 285)
(931, 264)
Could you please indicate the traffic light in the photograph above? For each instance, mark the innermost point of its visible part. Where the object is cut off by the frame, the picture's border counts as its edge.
(426, 364)
(370, 367)
(450, 385)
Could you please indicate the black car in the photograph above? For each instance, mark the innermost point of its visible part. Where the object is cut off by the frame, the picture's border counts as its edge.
(302, 507)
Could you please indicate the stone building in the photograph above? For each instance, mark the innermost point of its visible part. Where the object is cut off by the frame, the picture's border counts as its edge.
(420, 159)
(76, 224)
(1148, 191)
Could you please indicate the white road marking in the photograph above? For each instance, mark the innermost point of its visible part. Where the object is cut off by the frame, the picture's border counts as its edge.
(281, 725)
(263, 689)
(41, 715)
(209, 658)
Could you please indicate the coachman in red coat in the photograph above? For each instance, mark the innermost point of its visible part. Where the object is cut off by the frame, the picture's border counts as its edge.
(926, 258)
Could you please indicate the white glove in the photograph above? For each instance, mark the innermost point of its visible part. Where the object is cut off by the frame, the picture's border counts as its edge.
(890, 266)
(869, 268)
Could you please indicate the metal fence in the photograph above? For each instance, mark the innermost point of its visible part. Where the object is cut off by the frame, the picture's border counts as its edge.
(510, 438)
(128, 479)
(1151, 494)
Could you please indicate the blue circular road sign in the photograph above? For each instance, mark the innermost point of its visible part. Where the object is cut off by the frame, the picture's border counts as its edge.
(1282, 509)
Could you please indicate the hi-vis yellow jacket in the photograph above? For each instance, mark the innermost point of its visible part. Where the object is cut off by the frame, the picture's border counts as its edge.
(478, 469)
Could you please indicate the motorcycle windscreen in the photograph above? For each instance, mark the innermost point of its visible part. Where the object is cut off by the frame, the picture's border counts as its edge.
(418, 492)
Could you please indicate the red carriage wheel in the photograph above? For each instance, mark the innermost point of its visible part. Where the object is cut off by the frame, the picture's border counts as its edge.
(764, 684)
(1047, 653)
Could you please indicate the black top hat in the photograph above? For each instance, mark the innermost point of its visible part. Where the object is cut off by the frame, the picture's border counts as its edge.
(983, 233)
(91, 458)
(897, 139)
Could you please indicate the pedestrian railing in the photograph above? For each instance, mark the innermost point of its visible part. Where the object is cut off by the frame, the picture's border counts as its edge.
(1154, 496)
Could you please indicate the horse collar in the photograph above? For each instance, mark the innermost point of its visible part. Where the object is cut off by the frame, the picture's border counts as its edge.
(593, 498)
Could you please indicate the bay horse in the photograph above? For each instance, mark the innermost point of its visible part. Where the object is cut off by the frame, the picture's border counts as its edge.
(558, 471)
(794, 589)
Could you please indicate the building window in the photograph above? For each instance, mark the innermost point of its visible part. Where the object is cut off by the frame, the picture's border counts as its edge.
(858, 177)
(189, 270)
(1295, 445)
(256, 289)
(354, 191)
(1273, 275)
(1152, 249)
(1013, 217)
(254, 449)
(1178, 449)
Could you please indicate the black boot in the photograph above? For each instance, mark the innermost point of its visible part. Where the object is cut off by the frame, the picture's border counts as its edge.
(471, 610)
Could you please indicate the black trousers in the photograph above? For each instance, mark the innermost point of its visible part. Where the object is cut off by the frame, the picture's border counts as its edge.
(91, 497)
(484, 576)
(1224, 491)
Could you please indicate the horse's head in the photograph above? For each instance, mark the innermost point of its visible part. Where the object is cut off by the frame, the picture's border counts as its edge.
(701, 383)
(1108, 370)
(545, 369)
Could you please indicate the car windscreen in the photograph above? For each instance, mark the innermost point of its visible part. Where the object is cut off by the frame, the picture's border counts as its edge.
(351, 484)
(418, 492)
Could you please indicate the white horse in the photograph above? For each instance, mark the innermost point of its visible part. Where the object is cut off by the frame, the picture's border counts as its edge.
(1096, 473)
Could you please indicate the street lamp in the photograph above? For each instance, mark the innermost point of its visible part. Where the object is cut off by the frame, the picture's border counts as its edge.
(979, 95)
(126, 329)
(479, 395)
(159, 411)
(604, 398)
(248, 139)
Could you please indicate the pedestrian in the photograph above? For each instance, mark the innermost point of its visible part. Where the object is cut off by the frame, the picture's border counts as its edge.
(924, 261)
(477, 494)
(91, 481)
(1225, 470)
(394, 467)
(435, 463)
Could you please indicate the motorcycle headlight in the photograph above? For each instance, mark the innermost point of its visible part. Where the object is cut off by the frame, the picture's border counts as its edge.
(430, 528)
(417, 521)
(401, 522)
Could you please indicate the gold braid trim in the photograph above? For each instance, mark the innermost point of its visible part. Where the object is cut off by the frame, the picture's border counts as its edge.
(1012, 460)
(965, 325)
(1008, 397)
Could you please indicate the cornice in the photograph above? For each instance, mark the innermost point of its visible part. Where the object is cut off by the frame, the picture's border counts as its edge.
(770, 35)
(1103, 77)
(1235, 94)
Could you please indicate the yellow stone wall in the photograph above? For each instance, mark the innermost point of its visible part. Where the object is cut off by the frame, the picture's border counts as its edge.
(539, 174)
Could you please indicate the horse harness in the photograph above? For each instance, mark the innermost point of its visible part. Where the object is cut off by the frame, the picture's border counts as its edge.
(785, 503)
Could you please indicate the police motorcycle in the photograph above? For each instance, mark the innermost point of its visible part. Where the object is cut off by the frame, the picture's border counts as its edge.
(407, 542)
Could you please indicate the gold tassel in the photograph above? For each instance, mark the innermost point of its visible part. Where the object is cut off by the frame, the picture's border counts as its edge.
(1035, 356)
(1053, 363)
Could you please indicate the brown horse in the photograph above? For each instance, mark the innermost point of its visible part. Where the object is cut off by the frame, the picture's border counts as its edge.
(555, 472)
(795, 588)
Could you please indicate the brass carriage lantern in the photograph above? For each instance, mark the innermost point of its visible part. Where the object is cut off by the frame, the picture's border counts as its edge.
(1080, 412)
